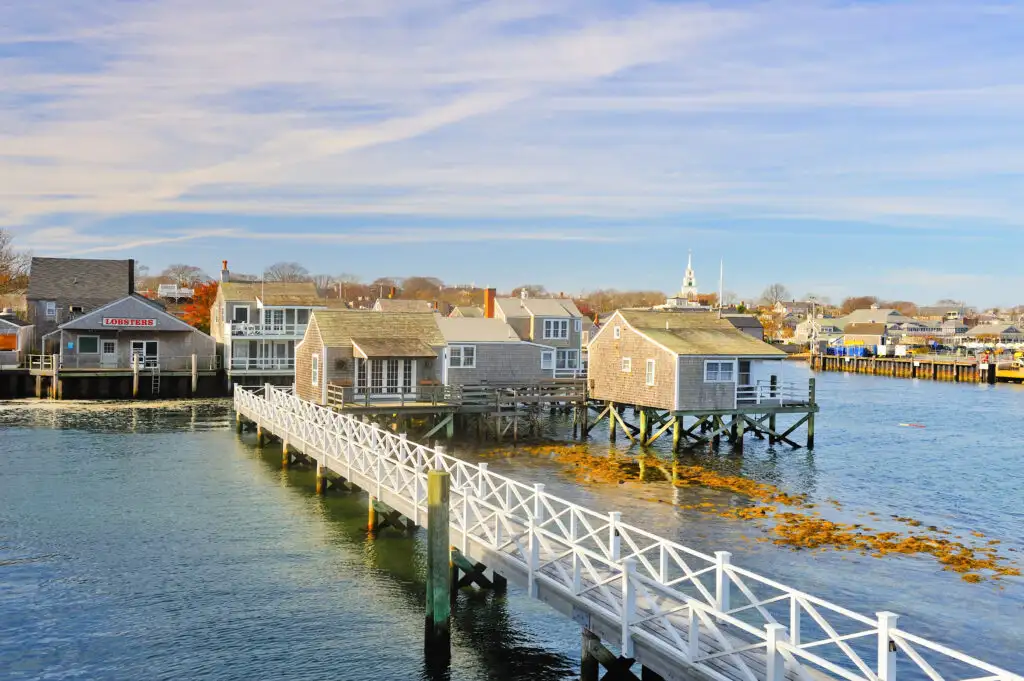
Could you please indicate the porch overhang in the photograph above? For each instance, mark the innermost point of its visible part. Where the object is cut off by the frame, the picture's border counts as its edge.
(391, 348)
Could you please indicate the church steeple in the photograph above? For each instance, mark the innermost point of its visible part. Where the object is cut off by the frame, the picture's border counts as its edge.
(689, 289)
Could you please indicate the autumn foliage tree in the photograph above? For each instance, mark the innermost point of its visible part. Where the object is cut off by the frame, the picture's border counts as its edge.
(197, 313)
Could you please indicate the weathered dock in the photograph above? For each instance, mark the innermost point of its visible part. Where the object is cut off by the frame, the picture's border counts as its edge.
(678, 612)
(165, 377)
(931, 367)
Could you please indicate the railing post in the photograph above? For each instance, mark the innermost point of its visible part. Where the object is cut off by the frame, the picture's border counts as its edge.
(614, 541)
(481, 483)
(628, 605)
(693, 635)
(886, 646)
(722, 581)
(776, 664)
(438, 630)
(533, 559)
(794, 621)
(577, 566)
(538, 503)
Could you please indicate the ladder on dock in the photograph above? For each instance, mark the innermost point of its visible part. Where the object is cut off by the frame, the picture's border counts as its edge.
(680, 612)
(155, 385)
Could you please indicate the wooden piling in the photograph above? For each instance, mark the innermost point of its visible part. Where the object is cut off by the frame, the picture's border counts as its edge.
(740, 427)
(438, 631)
(812, 398)
(195, 374)
(677, 432)
(285, 455)
(590, 668)
(371, 516)
(55, 381)
(135, 376)
(261, 437)
(644, 427)
(239, 425)
(321, 474)
(611, 422)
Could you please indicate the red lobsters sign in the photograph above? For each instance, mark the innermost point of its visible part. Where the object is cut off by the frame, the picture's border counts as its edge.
(123, 322)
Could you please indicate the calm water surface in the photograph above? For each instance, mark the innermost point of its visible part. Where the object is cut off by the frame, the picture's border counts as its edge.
(153, 543)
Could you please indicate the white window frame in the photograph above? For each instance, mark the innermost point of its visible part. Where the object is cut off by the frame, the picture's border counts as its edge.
(578, 325)
(649, 372)
(627, 365)
(616, 332)
(570, 358)
(547, 360)
(556, 329)
(713, 370)
(315, 366)
(234, 313)
(50, 309)
(458, 352)
(99, 347)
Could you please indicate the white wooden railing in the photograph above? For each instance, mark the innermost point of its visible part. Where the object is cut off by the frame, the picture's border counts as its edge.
(252, 330)
(263, 363)
(701, 610)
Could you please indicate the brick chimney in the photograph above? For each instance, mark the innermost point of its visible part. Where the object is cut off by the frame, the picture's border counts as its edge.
(489, 294)
(131, 276)
(225, 275)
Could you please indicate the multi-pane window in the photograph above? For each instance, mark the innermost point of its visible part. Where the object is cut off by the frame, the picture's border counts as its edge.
(616, 332)
(392, 386)
(627, 364)
(547, 360)
(719, 372)
(360, 373)
(407, 375)
(462, 356)
(376, 375)
(315, 364)
(567, 359)
(50, 309)
(556, 329)
(650, 372)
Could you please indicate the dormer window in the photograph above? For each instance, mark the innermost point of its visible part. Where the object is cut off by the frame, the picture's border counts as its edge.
(556, 329)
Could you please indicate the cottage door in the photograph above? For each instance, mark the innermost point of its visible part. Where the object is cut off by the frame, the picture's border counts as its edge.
(108, 353)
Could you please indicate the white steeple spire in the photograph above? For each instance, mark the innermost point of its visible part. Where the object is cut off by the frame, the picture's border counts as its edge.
(689, 289)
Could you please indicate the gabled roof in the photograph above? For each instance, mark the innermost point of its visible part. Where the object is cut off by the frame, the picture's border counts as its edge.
(373, 348)
(13, 321)
(744, 321)
(339, 327)
(887, 315)
(79, 278)
(994, 330)
(537, 307)
(864, 329)
(131, 307)
(401, 305)
(467, 311)
(290, 299)
(697, 333)
(249, 291)
(476, 330)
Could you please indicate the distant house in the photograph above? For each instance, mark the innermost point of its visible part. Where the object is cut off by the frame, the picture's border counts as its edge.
(678, 361)
(61, 289)
(1000, 333)
(480, 350)
(15, 302)
(747, 323)
(824, 329)
(548, 321)
(399, 305)
(953, 327)
(367, 352)
(258, 324)
(873, 315)
(467, 311)
(869, 335)
(15, 340)
(132, 326)
(799, 308)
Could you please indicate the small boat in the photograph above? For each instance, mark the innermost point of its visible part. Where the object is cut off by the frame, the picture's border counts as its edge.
(1011, 371)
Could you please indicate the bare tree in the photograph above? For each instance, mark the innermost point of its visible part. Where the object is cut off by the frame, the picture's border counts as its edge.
(424, 288)
(729, 298)
(348, 278)
(775, 293)
(183, 275)
(857, 303)
(286, 271)
(324, 282)
(532, 291)
(14, 264)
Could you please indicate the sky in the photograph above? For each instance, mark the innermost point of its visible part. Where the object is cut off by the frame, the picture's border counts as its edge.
(840, 148)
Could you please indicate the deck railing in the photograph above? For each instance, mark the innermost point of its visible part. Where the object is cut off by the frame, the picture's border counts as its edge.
(783, 393)
(255, 330)
(494, 395)
(262, 364)
(173, 291)
(96, 362)
(698, 609)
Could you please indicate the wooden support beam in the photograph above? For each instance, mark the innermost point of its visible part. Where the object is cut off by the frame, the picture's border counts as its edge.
(616, 668)
(671, 423)
(603, 413)
(625, 428)
(441, 424)
(472, 573)
(438, 625)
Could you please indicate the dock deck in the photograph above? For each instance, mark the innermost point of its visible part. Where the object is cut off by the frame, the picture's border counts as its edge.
(677, 611)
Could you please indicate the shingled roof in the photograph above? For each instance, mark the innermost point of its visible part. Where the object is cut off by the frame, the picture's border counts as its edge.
(339, 327)
(697, 333)
(80, 279)
(249, 291)
(402, 305)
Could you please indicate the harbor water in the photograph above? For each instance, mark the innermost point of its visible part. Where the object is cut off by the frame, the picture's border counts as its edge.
(152, 542)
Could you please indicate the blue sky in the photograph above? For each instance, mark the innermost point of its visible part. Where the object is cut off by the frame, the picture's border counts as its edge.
(837, 147)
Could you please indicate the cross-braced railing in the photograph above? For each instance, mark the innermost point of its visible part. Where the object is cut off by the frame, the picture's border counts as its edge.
(727, 622)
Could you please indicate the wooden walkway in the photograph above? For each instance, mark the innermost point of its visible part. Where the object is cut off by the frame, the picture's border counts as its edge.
(677, 611)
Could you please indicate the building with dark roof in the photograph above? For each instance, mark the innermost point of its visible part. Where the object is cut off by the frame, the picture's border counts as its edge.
(61, 289)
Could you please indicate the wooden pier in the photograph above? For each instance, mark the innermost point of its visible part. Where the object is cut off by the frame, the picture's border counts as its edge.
(676, 612)
(929, 367)
(166, 377)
